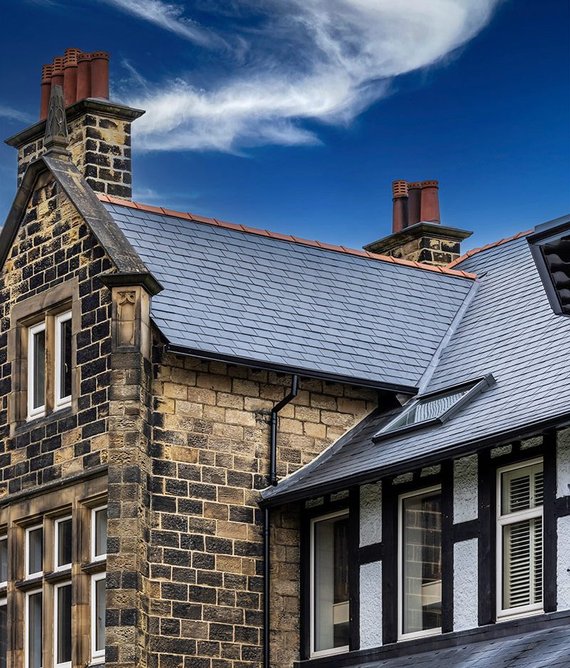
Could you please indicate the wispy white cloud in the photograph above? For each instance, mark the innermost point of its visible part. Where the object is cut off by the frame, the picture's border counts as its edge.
(169, 16)
(307, 61)
(14, 114)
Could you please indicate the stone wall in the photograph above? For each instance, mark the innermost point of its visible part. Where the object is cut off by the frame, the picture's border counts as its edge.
(53, 249)
(210, 450)
(100, 147)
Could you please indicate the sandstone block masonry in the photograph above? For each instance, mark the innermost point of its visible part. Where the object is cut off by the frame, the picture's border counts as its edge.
(209, 460)
(54, 258)
(99, 141)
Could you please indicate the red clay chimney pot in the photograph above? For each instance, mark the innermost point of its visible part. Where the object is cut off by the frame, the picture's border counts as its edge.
(100, 74)
(83, 76)
(430, 202)
(45, 90)
(400, 205)
(414, 204)
(70, 76)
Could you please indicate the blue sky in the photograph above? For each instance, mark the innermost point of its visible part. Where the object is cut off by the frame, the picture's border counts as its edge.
(295, 115)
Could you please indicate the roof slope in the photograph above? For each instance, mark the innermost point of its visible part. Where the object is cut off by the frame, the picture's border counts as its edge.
(545, 647)
(508, 330)
(259, 298)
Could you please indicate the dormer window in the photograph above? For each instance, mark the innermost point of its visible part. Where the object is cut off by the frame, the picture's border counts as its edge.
(434, 407)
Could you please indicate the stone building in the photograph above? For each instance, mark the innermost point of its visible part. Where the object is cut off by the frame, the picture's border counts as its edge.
(222, 447)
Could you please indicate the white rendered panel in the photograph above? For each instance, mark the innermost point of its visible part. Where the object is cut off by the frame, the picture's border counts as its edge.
(563, 563)
(371, 605)
(465, 602)
(563, 463)
(465, 489)
(370, 514)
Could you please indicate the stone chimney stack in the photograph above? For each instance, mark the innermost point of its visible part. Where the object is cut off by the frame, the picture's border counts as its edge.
(99, 130)
(417, 233)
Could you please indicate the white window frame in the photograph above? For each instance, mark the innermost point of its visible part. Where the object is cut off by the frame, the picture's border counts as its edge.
(38, 411)
(334, 650)
(94, 557)
(502, 521)
(4, 604)
(58, 521)
(59, 585)
(97, 655)
(4, 539)
(60, 402)
(29, 594)
(426, 632)
(27, 574)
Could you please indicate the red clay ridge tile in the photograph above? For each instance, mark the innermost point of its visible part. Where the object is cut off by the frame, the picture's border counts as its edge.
(286, 237)
(493, 244)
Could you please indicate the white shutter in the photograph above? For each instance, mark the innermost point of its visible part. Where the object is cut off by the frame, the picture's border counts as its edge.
(522, 498)
(523, 563)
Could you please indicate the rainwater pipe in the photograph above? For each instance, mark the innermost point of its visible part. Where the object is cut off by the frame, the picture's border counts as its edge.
(267, 517)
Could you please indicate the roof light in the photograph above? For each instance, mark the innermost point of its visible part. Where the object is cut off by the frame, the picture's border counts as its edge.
(434, 408)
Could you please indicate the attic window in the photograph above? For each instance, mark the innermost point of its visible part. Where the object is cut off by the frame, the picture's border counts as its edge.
(434, 408)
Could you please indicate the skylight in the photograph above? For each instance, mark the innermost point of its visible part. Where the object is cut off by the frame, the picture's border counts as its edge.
(435, 407)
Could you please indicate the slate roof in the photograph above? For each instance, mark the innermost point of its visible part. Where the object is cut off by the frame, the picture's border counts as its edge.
(508, 330)
(262, 298)
(546, 648)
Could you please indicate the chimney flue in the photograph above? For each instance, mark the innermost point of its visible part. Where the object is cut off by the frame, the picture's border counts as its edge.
(430, 202)
(417, 234)
(83, 76)
(70, 76)
(100, 75)
(414, 203)
(57, 72)
(400, 205)
(46, 91)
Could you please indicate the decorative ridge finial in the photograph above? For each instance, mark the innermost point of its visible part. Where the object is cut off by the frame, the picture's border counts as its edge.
(55, 138)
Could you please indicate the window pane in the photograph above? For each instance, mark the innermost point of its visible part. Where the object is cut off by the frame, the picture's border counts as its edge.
(331, 607)
(63, 621)
(34, 630)
(65, 359)
(35, 550)
(3, 634)
(421, 534)
(39, 368)
(63, 556)
(100, 532)
(99, 615)
(522, 489)
(522, 548)
(3, 560)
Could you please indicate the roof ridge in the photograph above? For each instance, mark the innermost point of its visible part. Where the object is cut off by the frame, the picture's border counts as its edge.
(282, 237)
(493, 244)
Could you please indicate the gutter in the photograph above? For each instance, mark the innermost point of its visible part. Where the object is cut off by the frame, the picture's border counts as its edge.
(253, 363)
(267, 517)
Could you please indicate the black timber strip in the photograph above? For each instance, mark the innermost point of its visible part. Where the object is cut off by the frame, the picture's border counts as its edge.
(390, 568)
(447, 546)
(367, 554)
(354, 572)
(550, 541)
(486, 546)
(466, 530)
(562, 506)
